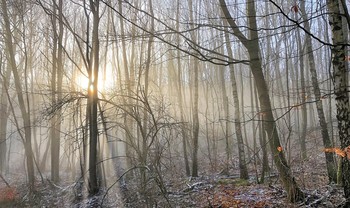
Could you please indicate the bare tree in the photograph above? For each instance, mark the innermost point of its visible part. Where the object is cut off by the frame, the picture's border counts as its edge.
(252, 45)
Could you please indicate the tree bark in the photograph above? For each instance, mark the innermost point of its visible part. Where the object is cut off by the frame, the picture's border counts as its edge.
(94, 185)
(56, 87)
(340, 83)
(195, 117)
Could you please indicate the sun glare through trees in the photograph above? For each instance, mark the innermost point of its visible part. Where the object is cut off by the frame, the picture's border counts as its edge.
(106, 80)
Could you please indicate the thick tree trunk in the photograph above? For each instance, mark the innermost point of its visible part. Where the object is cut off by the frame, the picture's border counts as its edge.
(340, 83)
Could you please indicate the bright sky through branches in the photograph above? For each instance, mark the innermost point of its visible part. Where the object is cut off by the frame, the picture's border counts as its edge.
(105, 81)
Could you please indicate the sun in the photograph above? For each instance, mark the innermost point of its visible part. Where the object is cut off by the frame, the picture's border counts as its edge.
(106, 80)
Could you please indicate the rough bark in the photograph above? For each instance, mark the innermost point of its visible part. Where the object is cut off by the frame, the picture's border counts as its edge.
(340, 83)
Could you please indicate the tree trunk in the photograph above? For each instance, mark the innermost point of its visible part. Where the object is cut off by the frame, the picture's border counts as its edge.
(252, 45)
(127, 101)
(240, 144)
(195, 117)
(56, 87)
(93, 99)
(303, 99)
(184, 132)
(330, 162)
(340, 83)
(4, 116)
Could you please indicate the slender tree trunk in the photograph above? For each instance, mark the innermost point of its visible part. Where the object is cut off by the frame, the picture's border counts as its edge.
(195, 117)
(303, 99)
(331, 165)
(144, 150)
(4, 116)
(184, 132)
(127, 101)
(240, 144)
(94, 185)
(56, 87)
(262, 140)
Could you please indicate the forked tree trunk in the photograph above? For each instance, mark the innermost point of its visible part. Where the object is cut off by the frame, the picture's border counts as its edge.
(252, 45)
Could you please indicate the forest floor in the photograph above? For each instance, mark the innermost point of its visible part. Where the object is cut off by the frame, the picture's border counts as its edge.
(206, 191)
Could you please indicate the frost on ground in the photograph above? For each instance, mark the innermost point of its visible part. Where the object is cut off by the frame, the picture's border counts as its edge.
(209, 190)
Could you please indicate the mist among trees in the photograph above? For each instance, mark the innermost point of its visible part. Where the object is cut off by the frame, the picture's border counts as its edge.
(182, 103)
